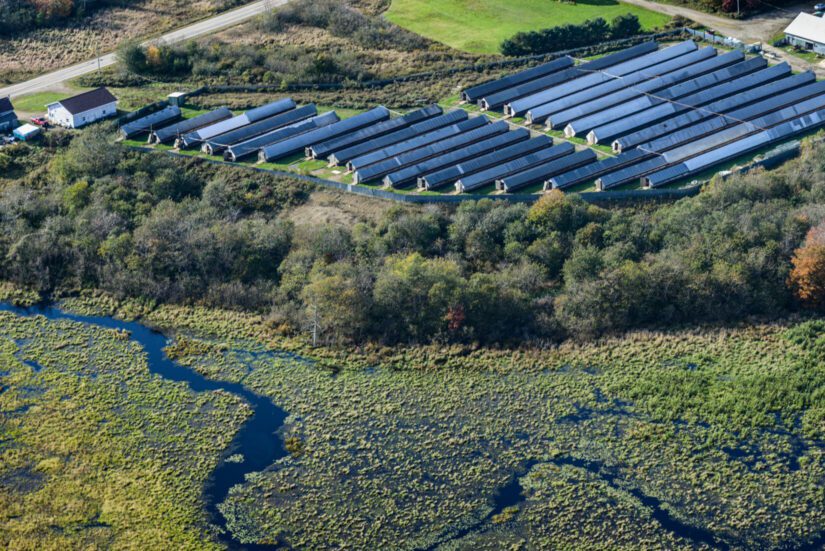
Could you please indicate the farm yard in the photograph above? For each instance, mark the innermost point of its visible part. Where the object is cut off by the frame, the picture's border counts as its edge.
(649, 115)
(480, 26)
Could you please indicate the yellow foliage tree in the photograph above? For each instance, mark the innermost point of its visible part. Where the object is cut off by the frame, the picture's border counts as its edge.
(153, 56)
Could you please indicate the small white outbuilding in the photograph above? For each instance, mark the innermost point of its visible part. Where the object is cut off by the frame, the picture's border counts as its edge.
(807, 32)
(83, 109)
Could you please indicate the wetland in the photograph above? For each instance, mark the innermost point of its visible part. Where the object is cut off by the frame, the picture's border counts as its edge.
(219, 436)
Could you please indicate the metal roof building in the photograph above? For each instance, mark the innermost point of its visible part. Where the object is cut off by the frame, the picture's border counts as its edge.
(222, 127)
(169, 133)
(219, 143)
(807, 32)
(158, 119)
(240, 150)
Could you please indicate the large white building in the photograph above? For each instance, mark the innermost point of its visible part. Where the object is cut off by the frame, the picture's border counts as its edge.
(807, 32)
(83, 109)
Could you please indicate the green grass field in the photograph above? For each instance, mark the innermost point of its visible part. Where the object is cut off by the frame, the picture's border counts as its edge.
(479, 26)
(36, 103)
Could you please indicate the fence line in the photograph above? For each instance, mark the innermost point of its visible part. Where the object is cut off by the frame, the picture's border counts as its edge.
(725, 41)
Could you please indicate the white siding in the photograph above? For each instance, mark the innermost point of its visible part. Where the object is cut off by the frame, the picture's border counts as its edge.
(805, 44)
(60, 116)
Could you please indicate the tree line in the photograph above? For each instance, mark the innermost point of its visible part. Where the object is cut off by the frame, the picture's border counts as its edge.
(90, 215)
(570, 36)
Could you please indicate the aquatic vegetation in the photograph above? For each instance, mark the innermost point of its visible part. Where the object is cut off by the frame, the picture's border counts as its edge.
(95, 452)
(16, 295)
(680, 440)
(719, 432)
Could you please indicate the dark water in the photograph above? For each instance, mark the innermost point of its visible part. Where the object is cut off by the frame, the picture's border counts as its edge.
(662, 516)
(257, 439)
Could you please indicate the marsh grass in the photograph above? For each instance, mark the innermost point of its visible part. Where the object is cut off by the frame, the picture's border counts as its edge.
(723, 424)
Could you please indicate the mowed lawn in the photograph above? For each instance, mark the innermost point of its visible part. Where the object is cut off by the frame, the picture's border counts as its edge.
(479, 26)
(36, 103)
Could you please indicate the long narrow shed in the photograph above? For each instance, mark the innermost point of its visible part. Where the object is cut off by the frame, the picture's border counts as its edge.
(219, 143)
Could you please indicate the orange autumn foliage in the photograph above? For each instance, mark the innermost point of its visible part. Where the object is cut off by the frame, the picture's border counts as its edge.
(807, 277)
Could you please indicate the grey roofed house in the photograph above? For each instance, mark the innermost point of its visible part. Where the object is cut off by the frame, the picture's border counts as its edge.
(8, 118)
(5, 106)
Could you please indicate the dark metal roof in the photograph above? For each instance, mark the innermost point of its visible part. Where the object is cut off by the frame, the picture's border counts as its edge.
(259, 128)
(779, 87)
(412, 173)
(399, 136)
(298, 144)
(5, 105)
(477, 92)
(87, 100)
(632, 108)
(564, 158)
(543, 153)
(467, 132)
(629, 123)
(327, 148)
(450, 175)
(736, 149)
(253, 145)
(149, 122)
(169, 133)
(462, 124)
(592, 75)
(239, 121)
(646, 77)
(589, 172)
(627, 88)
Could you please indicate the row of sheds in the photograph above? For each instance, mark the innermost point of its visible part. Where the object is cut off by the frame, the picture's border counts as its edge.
(668, 113)
(374, 145)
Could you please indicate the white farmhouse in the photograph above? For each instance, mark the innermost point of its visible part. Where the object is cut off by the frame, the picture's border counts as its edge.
(807, 32)
(83, 109)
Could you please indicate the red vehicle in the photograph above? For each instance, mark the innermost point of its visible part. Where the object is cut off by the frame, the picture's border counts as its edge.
(40, 121)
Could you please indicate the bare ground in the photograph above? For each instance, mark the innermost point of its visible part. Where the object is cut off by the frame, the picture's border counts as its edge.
(339, 208)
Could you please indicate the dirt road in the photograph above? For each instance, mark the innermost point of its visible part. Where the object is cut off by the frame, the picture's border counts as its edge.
(759, 28)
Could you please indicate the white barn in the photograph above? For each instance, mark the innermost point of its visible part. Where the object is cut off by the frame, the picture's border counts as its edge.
(83, 109)
(807, 32)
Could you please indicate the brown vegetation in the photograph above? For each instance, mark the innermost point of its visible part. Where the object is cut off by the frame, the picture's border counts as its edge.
(808, 274)
(28, 53)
